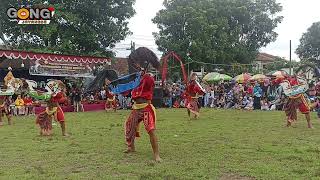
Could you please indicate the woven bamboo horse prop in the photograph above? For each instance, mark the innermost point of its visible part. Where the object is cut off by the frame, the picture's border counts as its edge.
(53, 87)
(295, 90)
(137, 67)
(18, 86)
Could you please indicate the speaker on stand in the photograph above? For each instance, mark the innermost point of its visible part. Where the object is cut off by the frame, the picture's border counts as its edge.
(157, 100)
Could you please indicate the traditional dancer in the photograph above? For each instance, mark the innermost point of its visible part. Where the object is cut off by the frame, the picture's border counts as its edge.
(44, 119)
(193, 92)
(295, 99)
(111, 102)
(143, 110)
(5, 110)
(58, 99)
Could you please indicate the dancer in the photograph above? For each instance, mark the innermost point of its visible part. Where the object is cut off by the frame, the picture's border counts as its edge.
(5, 110)
(111, 102)
(193, 92)
(143, 110)
(44, 119)
(57, 98)
(295, 100)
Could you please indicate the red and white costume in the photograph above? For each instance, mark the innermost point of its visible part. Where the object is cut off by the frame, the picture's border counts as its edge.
(193, 92)
(111, 100)
(59, 98)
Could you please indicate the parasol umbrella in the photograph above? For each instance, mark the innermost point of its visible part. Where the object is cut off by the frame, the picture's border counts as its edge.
(222, 77)
(278, 73)
(242, 78)
(219, 77)
(225, 77)
(210, 76)
(258, 77)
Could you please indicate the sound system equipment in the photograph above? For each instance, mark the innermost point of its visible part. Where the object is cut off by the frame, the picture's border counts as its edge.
(157, 100)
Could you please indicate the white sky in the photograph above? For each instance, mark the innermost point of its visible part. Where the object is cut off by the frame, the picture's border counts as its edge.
(298, 17)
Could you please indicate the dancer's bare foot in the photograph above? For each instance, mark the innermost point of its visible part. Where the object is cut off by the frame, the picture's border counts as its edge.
(288, 124)
(129, 150)
(158, 159)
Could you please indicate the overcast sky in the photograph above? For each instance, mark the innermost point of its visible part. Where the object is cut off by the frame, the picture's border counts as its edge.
(298, 17)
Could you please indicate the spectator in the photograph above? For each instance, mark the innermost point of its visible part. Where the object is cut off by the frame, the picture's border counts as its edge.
(28, 105)
(19, 106)
(257, 93)
(249, 105)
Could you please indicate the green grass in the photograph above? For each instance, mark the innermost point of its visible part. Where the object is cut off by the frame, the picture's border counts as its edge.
(222, 144)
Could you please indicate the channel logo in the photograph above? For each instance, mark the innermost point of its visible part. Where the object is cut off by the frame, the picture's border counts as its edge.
(31, 15)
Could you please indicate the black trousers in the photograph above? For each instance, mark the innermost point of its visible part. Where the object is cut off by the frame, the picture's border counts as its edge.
(257, 103)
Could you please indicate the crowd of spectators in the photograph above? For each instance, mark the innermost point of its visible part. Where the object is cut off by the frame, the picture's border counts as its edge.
(263, 95)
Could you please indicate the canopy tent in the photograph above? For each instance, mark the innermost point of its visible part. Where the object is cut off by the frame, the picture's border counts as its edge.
(11, 54)
(47, 64)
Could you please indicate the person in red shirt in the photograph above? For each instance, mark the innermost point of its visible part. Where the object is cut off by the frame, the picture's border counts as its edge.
(193, 92)
(142, 109)
(28, 103)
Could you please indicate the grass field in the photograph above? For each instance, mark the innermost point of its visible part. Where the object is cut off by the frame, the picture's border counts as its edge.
(222, 144)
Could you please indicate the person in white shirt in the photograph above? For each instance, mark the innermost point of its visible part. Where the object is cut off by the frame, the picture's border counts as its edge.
(249, 105)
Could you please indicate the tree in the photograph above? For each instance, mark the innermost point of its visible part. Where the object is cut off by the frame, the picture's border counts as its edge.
(309, 47)
(79, 27)
(217, 31)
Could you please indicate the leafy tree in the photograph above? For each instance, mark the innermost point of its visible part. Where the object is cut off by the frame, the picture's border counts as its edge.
(87, 27)
(309, 47)
(217, 31)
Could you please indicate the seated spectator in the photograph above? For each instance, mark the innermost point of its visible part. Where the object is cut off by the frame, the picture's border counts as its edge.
(221, 101)
(19, 106)
(229, 100)
(28, 105)
(265, 104)
(249, 105)
(244, 102)
(91, 99)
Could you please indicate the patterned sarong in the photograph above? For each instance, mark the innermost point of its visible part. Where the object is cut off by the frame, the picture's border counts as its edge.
(44, 121)
(141, 112)
(193, 106)
(294, 103)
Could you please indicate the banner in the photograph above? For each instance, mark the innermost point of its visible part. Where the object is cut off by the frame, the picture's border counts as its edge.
(43, 67)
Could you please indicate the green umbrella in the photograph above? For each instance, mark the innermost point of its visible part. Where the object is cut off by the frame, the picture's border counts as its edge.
(210, 76)
(220, 77)
(223, 77)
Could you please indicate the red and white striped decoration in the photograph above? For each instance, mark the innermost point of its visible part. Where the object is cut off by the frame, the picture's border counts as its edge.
(10, 54)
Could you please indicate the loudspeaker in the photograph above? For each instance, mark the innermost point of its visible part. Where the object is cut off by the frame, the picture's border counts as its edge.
(158, 92)
(157, 100)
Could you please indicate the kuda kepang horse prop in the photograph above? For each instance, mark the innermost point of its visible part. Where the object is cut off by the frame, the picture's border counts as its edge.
(53, 88)
(14, 85)
(290, 91)
(137, 66)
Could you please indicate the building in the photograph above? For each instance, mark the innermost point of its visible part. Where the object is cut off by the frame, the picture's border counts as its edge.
(263, 59)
